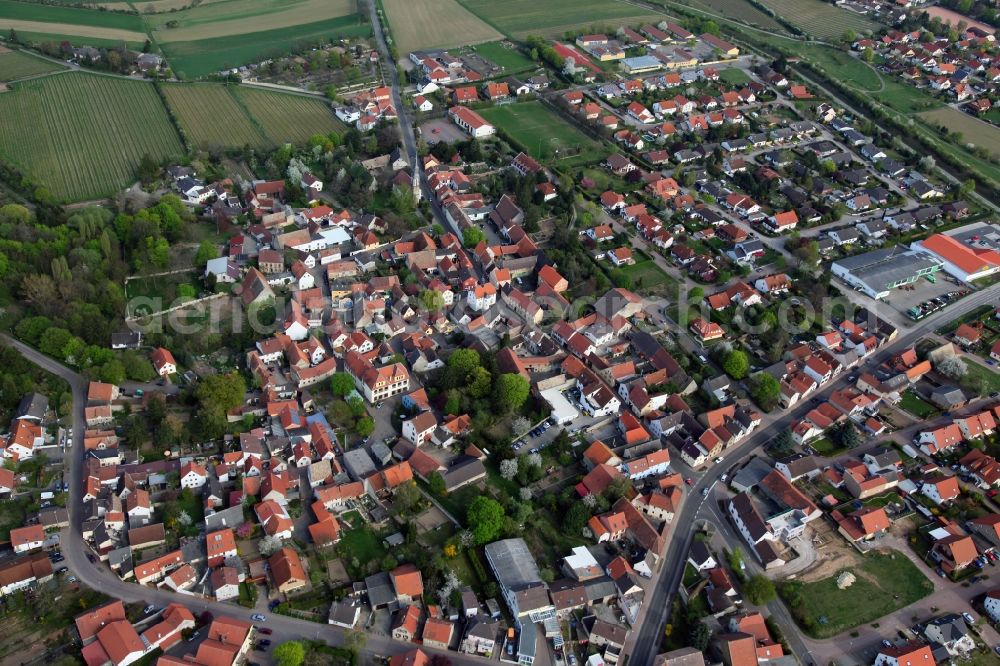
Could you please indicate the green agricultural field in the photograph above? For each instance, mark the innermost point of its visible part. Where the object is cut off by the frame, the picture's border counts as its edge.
(211, 117)
(511, 59)
(419, 25)
(285, 117)
(83, 135)
(973, 129)
(18, 65)
(30, 11)
(205, 56)
(741, 10)
(220, 116)
(519, 18)
(237, 17)
(542, 133)
(820, 19)
(885, 583)
(25, 17)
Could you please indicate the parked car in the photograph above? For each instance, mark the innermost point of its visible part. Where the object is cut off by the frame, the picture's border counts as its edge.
(689, 481)
(257, 617)
(968, 618)
(264, 630)
(148, 609)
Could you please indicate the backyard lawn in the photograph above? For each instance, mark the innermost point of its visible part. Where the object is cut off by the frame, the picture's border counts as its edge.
(979, 378)
(646, 275)
(917, 406)
(736, 77)
(361, 545)
(825, 447)
(886, 582)
(511, 59)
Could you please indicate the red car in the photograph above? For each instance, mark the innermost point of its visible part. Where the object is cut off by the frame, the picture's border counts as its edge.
(689, 481)
(264, 630)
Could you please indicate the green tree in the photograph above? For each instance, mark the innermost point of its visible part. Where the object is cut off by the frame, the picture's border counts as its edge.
(759, 590)
(472, 237)
(576, 518)
(206, 251)
(479, 383)
(437, 484)
(485, 517)
(341, 384)
(699, 636)
(736, 364)
(113, 372)
(696, 294)
(365, 426)
(221, 391)
(765, 390)
(511, 391)
(290, 653)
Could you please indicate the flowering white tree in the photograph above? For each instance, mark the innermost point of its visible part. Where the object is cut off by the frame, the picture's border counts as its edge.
(520, 425)
(508, 468)
(525, 494)
(952, 367)
(535, 459)
(269, 545)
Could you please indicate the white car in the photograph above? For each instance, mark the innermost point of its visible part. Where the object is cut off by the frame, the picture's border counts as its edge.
(719, 459)
(704, 492)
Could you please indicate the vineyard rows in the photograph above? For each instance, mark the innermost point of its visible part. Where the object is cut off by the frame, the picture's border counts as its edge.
(84, 135)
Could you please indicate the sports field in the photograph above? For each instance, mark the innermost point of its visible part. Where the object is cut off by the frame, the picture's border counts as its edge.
(17, 65)
(83, 135)
(285, 117)
(205, 56)
(542, 133)
(820, 19)
(519, 18)
(434, 24)
(973, 130)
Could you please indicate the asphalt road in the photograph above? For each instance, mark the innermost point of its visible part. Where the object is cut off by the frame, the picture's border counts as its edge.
(646, 638)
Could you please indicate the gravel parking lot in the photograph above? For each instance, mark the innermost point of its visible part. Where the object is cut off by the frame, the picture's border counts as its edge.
(441, 129)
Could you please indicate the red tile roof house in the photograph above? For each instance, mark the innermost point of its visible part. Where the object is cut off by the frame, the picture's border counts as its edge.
(707, 330)
(163, 362)
(940, 489)
(25, 539)
(408, 583)
(954, 552)
(968, 335)
(910, 654)
(438, 633)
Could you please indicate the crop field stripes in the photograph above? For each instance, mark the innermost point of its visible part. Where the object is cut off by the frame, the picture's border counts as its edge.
(84, 135)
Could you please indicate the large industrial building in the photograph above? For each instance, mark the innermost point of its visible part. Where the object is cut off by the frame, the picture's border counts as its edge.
(968, 253)
(876, 273)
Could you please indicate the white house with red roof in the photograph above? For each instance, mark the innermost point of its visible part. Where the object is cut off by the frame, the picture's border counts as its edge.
(193, 475)
(163, 362)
